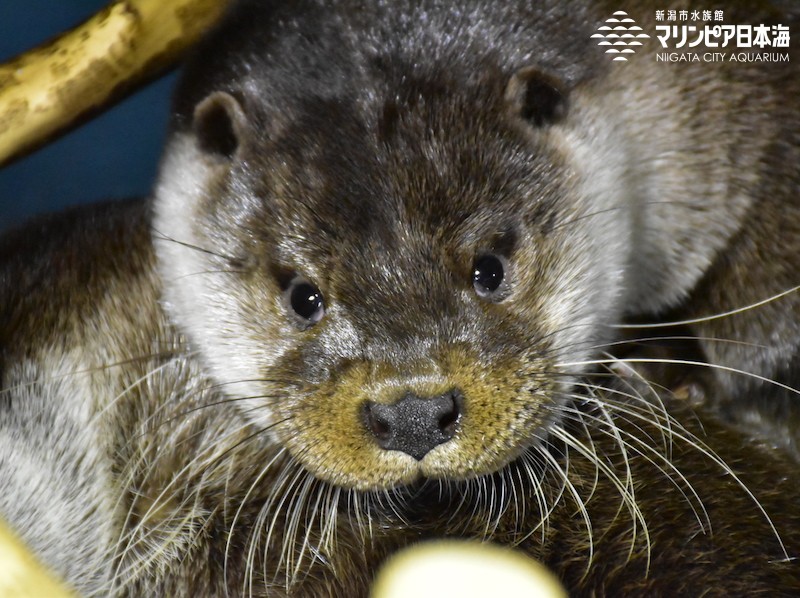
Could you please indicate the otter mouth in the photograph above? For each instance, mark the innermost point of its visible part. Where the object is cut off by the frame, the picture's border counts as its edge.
(535, 471)
(427, 500)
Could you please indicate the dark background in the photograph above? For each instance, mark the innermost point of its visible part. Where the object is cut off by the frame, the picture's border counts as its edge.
(112, 157)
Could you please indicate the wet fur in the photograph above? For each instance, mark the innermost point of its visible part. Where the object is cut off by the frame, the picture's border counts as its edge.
(174, 414)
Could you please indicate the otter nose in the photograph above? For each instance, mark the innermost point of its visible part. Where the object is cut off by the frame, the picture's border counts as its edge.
(414, 425)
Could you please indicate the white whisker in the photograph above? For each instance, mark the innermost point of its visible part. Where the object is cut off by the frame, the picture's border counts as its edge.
(712, 317)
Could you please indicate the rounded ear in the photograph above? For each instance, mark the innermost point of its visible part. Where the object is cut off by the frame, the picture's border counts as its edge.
(219, 123)
(537, 97)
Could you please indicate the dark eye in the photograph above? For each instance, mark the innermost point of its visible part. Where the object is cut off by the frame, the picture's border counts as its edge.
(487, 275)
(306, 301)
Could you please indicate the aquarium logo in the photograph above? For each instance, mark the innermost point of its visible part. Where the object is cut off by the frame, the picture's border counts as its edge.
(620, 36)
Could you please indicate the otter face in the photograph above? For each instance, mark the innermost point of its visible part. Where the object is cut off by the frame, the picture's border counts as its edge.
(391, 283)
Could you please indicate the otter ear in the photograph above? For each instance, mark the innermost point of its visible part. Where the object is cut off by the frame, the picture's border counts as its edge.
(219, 123)
(537, 97)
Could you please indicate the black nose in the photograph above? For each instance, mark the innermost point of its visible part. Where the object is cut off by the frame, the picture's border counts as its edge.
(413, 424)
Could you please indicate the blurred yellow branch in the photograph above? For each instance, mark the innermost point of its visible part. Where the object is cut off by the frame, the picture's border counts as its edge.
(468, 569)
(21, 576)
(55, 86)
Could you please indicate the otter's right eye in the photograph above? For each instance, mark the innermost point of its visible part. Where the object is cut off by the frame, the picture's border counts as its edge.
(488, 273)
(306, 301)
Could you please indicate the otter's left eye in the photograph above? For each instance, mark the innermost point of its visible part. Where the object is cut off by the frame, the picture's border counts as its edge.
(488, 273)
(306, 301)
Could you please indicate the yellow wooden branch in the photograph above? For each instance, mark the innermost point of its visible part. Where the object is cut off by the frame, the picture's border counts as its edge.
(51, 88)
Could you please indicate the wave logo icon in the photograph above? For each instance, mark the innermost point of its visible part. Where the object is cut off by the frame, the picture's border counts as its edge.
(620, 35)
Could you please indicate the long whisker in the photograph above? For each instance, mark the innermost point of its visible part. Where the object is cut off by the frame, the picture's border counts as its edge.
(159, 236)
(712, 317)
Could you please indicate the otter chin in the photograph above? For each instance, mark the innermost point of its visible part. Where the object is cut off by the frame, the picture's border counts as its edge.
(382, 293)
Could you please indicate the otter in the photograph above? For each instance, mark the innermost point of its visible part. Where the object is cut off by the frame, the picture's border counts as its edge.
(378, 295)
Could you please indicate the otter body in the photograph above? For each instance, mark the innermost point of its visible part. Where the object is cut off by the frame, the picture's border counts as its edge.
(372, 299)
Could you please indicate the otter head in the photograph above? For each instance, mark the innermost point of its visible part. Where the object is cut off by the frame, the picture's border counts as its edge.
(393, 271)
